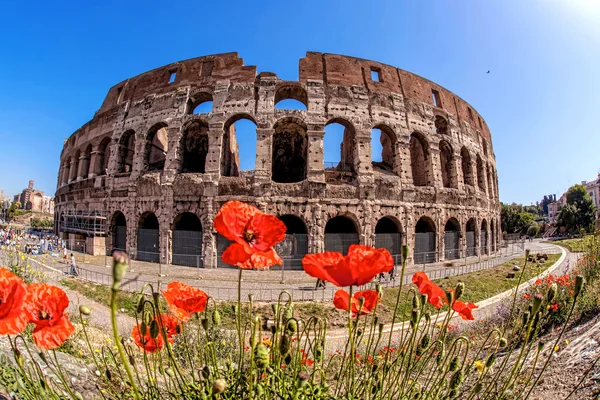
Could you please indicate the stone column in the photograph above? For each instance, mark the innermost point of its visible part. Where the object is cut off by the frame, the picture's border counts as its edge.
(83, 160)
(316, 171)
(264, 158)
(363, 165)
(215, 144)
(72, 171)
(94, 159)
(174, 156)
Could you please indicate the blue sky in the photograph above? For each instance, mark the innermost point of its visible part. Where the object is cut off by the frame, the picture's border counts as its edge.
(540, 100)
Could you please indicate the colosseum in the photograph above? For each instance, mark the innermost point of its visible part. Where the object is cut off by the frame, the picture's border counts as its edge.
(149, 172)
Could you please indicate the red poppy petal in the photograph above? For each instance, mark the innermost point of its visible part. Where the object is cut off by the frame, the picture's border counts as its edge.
(52, 336)
(235, 254)
(262, 260)
(341, 300)
(13, 313)
(184, 300)
(464, 310)
(321, 265)
(233, 217)
(145, 342)
(419, 278)
(371, 298)
(268, 230)
(366, 262)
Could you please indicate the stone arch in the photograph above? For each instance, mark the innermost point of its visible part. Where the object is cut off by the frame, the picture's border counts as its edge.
(385, 146)
(388, 235)
(441, 125)
(194, 147)
(493, 237)
(290, 151)
(148, 238)
(156, 147)
(467, 167)
(447, 165)
(200, 103)
(102, 157)
(425, 246)
(340, 233)
(74, 166)
(420, 159)
(480, 174)
(118, 230)
(452, 239)
(484, 237)
(87, 156)
(66, 171)
(471, 237)
(187, 240)
(295, 245)
(490, 181)
(290, 96)
(126, 152)
(232, 157)
(343, 166)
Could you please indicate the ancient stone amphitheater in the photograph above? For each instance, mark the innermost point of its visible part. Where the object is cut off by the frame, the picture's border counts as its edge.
(149, 172)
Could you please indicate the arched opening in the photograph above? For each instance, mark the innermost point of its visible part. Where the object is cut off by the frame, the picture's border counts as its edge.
(383, 148)
(119, 232)
(156, 147)
(480, 174)
(447, 165)
(66, 171)
(452, 239)
(340, 233)
(471, 238)
(425, 241)
(291, 97)
(467, 167)
(194, 147)
(490, 180)
(102, 157)
(388, 236)
(201, 103)
(493, 236)
(147, 238)
(295, 245)
(290, 151)
(126, 152)
(187, 240)
(441, 125)
(233, 157)
(339, 149)
(419, 160)
(484, 237)
(75, 166)
(85, 166)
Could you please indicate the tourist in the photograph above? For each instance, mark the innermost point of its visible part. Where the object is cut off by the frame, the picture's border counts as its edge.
(73, 270)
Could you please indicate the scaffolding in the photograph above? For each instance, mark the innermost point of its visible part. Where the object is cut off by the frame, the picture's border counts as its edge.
(88, 223)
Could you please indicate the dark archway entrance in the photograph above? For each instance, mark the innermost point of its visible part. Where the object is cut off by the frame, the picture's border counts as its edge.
(119, 232)
(484, 238)
(388, 236)
(147, 238)
(451, 239)
(425, 241)
(295, 245)
(187, 240)
(470, 236)
(290, 151)
(340, 233)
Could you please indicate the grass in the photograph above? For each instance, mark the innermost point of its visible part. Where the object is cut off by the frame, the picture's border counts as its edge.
(480, 285)
(573, 245)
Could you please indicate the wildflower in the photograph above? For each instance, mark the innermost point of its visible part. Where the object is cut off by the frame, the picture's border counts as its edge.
(358, 267)
(184, 300)
(13, 291)
(554, 307)
(527, 296)
(435, 295)
(250, 229)
(45, 308)
(480, 367)
(258, 260)
(144, 339)
(370, 298)
(464, 309)
(171, 325)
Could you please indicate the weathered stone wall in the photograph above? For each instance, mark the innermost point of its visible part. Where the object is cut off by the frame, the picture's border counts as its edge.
(135, 155)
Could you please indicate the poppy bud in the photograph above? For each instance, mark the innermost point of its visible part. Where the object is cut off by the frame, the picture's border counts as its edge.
(108, 374)
(288, 359)
(303, 378)
(250, 297)
(380, 329)
(140, 303)
(234, 308)
(206, 372)
(154, 329)
(147, 317)
(219, 386)
(457, 379)
(537, 302)
(454, 364)
(425, 340)
(318, 354)
(490, 360)
(170, 372)
(477, 388)
(540, 346)
(458, 291)
(289, 312)
(273, 329)
(275, 308)
(424, 299)
(416, 302)
(43, 357)
(84, 310)
(527, 254)
(427, 316)
(131, 360)
(578, 285)
(450, 296)
(525, 317)
(551, 292)
(261, 354)
(204, 323)
(292, 326)
(120, 265)
(414, 317)
(441, 353)
(216, 317)
(503, 342)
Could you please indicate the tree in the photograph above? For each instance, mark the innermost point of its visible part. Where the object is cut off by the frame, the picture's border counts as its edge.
(533, 230)
(515, 219)
(579, 213)
(566, 218)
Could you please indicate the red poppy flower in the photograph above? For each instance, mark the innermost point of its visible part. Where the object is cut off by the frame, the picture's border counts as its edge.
(527, 296)
(371, 298)
(184, 300)
(144, 340)
(250, 229)
(435, 295)
(13, 291)
(465, 310)
(554, 307)
(358, 267)
(258, 260)
(171, 325)
(45, 308)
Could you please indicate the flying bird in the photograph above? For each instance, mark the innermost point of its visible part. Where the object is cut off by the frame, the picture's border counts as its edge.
(488, 71)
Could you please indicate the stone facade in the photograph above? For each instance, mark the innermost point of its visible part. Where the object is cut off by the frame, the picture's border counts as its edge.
(146, 158)
(34, 200)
